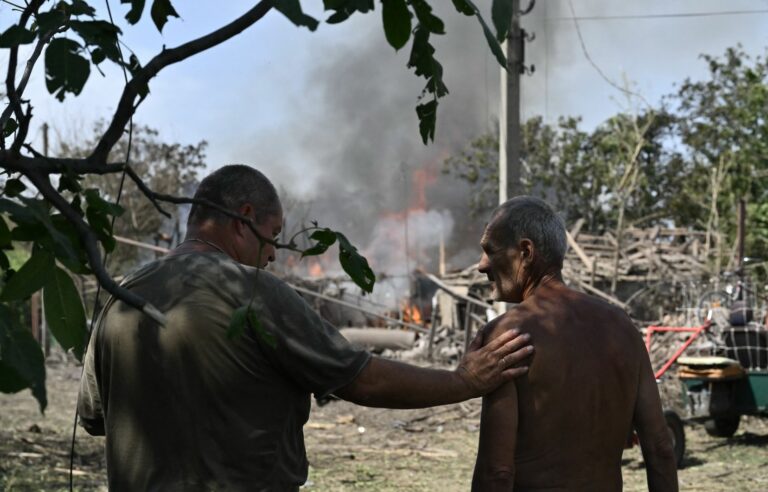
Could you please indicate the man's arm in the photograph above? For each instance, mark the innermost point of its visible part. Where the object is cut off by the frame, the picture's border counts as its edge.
(655, 440)
(390, 384)
(89, 406)
(495, 465)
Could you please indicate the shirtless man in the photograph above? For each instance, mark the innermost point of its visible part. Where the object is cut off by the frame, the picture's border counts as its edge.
(563, 426)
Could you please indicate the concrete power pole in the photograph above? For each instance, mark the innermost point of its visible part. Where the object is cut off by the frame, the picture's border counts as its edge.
(510, 138)
(509, 118)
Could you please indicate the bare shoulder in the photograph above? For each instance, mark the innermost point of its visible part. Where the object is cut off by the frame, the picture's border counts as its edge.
(519, 318)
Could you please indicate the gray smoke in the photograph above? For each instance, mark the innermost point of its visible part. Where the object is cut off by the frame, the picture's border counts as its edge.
(357, 142)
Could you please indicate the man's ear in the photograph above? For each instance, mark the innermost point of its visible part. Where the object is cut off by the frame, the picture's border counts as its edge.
(527, 251)
(241, 227)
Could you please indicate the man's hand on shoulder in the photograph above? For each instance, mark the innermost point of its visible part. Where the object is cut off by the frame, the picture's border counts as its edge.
(485, 367)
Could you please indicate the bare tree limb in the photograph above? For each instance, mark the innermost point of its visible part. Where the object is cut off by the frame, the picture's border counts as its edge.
(90, 245)
(141, 78)
(53, 165)
(145, 190)
(155, 197)
(10, 79)
(27, 73)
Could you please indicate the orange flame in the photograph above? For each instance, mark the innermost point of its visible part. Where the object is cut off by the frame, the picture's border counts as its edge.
(412, 314)
(315, 269)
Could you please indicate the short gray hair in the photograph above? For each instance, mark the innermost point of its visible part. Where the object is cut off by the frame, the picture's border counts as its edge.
(532, 218)
(232, 187)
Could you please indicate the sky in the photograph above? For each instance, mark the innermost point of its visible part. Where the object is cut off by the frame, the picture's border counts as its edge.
(329, 115)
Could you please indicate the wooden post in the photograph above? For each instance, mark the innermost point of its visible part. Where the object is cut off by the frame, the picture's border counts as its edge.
(742, 233)
(34, 316)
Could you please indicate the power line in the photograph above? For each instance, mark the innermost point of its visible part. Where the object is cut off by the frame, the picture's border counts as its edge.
(658, 16)
(610, 82)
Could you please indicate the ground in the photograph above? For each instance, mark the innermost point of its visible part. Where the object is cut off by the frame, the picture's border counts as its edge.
(350, 448)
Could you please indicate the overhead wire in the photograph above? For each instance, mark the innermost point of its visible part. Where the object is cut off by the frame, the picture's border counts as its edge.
(595, 65)
(659, 16)
(106, 254)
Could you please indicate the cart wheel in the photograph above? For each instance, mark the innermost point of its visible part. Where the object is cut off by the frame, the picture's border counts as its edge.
(722, 426)
(675, 426)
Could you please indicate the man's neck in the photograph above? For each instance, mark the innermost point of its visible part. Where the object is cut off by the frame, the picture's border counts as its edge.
(204, 239)
(551, 279)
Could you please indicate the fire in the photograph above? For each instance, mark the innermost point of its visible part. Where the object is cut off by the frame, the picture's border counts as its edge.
(412, 314)
(315, 269)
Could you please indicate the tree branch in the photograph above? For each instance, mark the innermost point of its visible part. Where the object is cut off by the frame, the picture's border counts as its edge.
(27, 73)
(155, 197)
(10, 79)
(15, 163)
(90, 245)
(141, 78)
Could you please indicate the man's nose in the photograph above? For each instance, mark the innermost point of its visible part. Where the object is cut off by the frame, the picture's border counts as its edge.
(482, 267)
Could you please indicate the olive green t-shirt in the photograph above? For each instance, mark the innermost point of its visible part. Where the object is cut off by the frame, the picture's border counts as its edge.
(183, 406)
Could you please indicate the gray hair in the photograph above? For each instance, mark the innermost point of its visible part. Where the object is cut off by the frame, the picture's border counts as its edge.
(532, 218)
(232, 187)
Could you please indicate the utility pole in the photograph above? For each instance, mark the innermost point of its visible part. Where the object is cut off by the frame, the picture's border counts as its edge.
(37, 317)
(509, 117)
(45, 339)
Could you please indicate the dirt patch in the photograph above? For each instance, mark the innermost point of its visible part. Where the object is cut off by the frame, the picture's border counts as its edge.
(350, 448)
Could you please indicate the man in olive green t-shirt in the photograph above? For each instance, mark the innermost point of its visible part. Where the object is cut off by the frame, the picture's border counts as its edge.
(184, 407)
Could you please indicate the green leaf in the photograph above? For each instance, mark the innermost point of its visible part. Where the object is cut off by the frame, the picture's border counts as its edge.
(397, 22)
(493, 43)
(5, 234)
(10, 127)
(137, 8)
(161, 10)
(79, 7)
(101, 34)
(355, 264)
(64, 312)
(21, 359)
(62, 244)
(10, 381)
(19, 213)
(501, 14)
(5, 265)
(102, 226)
(325, 238)
(237, 323)
(261, 332)
(49, 21)
(70, 182)
(343, 9)
(246, 316)
(427, 114)
(13, 187)
(292, 10)
(65, 70)
(134, 66)
(424, 14)
(30, 278)
(464, 7)
(29, 232)
(93, 199)
(16, 35)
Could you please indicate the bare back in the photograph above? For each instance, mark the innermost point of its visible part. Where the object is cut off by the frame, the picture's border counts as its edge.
(564, 425)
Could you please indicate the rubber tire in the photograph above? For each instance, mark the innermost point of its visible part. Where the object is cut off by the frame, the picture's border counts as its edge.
(676, 430)
(722, 426)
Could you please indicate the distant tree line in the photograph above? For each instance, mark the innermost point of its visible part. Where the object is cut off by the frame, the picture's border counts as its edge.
(685, 162)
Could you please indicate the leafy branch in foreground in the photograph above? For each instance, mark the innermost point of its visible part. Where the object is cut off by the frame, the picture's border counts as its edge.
(66, 224)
